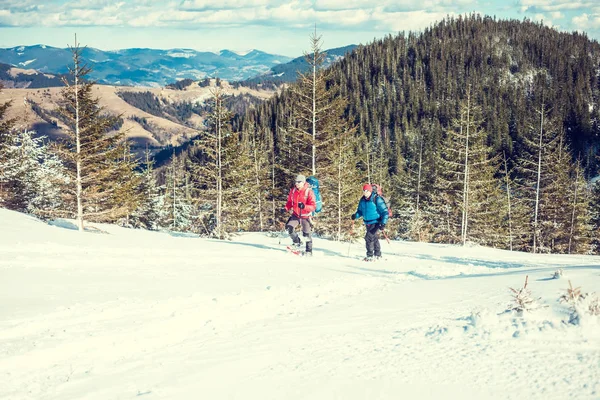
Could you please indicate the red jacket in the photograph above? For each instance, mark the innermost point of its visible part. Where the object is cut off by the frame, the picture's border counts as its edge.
(304, 195)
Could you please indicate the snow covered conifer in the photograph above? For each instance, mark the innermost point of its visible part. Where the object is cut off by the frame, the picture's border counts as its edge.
(36, 176)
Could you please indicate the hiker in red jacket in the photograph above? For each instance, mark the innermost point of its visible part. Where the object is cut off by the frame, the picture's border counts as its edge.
(300, 204)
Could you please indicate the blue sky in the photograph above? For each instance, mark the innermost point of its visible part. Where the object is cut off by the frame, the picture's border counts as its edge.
(274, 26)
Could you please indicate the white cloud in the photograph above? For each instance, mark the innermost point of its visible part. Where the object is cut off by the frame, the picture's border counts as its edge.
(586, 21)
(200, 5)
(382, 16)
(554, 5)
(344, 4)
(543, 18)
(405, 21)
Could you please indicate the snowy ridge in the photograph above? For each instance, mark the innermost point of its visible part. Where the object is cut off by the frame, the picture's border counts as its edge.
(115, 313)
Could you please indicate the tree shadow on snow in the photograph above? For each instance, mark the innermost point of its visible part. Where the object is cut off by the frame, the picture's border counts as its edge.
(465, 261)
(253, 245)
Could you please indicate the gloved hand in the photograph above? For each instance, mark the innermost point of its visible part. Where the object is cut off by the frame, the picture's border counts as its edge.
(381, 227)
(301, 206)
(353, 217)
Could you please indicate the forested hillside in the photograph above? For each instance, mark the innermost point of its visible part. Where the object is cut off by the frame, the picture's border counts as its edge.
(413, 83)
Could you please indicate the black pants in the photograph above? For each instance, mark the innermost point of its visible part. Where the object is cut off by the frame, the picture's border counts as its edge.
(291, 225)
(372, 240)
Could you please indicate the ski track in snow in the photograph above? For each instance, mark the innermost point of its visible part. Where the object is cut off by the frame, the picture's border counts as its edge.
(131, 314)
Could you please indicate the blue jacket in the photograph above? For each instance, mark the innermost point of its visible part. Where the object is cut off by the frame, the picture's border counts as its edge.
(372, 211)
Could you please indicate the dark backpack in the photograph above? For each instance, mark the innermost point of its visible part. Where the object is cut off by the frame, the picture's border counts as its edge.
(314, 185)
(377, 189)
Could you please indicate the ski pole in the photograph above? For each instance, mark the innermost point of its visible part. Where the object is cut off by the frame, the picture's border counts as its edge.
(351, 237)
(281, 232)
(385, 236)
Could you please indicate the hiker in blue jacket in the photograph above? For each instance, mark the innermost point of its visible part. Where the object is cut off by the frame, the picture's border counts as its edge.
(374, 212)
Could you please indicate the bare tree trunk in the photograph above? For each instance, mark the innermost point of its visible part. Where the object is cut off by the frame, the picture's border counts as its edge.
(368, 162)
(174, 195)
(273, 184)
(465, 216)
(219, 168)
(79, 189)
(314, 110)
(419, 175)
(339, 181)
(574, 207)
(537, 186)
(258, 192)
(510, 236)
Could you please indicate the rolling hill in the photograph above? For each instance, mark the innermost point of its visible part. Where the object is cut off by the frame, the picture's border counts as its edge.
(36, 109)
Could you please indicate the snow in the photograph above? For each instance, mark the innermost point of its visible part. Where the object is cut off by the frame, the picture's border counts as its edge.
(181, 54)
(114, 313)
(241, 53)
(26, 63)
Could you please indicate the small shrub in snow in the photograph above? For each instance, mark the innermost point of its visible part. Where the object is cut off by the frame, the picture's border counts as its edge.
(594, 306)
(572, 296)
(581, 305)
(523, 300)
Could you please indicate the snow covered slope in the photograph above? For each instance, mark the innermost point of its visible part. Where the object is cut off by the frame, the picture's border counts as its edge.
(124, 314)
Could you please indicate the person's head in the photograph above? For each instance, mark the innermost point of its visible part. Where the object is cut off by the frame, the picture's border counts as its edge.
(300, 181)
(367, 190)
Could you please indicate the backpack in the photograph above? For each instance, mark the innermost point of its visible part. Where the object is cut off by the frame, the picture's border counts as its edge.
(377, 189)
(314, 185)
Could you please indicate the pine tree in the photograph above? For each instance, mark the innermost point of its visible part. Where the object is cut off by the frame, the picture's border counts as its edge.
(177, 213)
(341, 183)
(99, 163)
(595, 215)
(223, 164)
(545, 175)
(240, 192)
(470, 195)
(317, 110)
(6, 163)
(206, 166)
(147, 213)
(580, 224)
(262, 180)
(411, 189)
(39, 177)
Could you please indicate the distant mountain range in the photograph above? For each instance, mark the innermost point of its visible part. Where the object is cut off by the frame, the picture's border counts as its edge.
(41, 66)
(145, 67)
(288, 72)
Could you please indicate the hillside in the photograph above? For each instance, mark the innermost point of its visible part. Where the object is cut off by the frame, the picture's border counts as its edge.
(12, 77)
(117, 313)
(412, 84)
(34, 108)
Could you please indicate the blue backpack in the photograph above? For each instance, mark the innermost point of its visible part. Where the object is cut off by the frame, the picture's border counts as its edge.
(314, 185)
